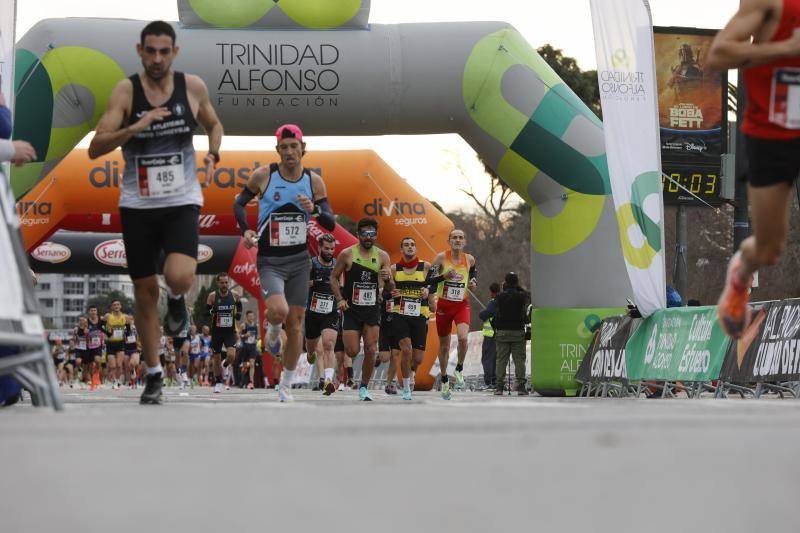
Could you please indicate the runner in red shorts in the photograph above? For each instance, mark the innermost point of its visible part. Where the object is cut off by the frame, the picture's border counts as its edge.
(457, 276)
(763, 39)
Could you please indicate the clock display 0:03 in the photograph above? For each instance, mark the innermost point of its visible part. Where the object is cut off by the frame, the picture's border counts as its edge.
(704, 182)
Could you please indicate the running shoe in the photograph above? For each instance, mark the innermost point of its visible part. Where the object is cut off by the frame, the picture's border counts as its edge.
(152, 390)
(446, 390)
(284, 394)
(341, 387)
(329, 388)
(217, 388)
(733, 309)
(363, 394)
(407, 394)
(459, 380)
(250, 386)
(177, 320)
(317, 385)
(390, 389)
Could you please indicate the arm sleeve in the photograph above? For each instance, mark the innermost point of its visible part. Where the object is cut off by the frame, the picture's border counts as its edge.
(239, 210)
(325, 214)
(473, 272)
(238, 310)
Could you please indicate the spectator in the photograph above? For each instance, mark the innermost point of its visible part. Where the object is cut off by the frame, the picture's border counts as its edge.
(509, 311)
(489, 348)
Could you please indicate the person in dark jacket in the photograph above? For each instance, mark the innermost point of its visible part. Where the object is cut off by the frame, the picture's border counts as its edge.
(509, 312)
(489, 348)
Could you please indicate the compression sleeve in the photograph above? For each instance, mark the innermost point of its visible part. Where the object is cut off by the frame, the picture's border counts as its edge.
(238, 310)
(325, 214)
(242, 199)
(473, 272)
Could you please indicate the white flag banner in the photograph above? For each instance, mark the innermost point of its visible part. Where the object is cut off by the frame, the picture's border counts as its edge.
(623, 34)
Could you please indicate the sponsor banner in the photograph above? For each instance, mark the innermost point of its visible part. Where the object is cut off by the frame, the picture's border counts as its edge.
(560, 339)
(605, 360)
(111, 253)
(51, 252)
(623, 37)
(769, 350)
(682, 343)
(690, 96)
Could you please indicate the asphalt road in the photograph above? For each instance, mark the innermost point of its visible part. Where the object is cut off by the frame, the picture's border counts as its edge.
(240, 461)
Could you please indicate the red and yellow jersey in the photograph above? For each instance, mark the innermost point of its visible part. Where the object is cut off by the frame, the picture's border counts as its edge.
(455, 289)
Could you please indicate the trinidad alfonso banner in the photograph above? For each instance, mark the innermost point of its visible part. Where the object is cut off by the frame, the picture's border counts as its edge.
(623, 37)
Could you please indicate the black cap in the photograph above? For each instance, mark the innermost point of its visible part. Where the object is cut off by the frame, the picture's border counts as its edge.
(512, 280)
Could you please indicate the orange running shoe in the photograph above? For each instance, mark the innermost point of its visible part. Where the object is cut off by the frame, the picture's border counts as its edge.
(733, 309)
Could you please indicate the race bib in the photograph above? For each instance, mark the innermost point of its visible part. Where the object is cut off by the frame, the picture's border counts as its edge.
(82, 344)
(130, 339)
(410, 306)
(453, 291)
(160, 175)
(388, 304)
(118, 333)
(251, 339)
(784, 108)
(364, 293)
(225, 322)
(322, 303)
(287, 229)
(94, 341)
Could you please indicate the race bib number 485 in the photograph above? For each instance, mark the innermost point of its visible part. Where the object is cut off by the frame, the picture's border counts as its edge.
(160, 175)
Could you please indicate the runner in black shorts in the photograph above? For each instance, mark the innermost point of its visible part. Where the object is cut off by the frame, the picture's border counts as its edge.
(152, 115)
(95, 339)
(82, 361)
(225, 309)
(249, 355)
(365, 268)
(115, 345)
(388, 349)
(410, 312)
(131, 352)
(322, 316)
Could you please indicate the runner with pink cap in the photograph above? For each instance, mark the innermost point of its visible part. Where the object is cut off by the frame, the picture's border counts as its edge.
(288, 195)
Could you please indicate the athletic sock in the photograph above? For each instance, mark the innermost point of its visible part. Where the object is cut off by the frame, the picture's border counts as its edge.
(350, 373)
(406, 383)
(444, 378)
(459, 367)
(287, 378)
(329, 374)
(273, 331)
(151, 370)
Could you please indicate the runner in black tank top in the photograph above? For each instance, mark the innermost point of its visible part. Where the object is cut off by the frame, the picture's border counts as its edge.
(249, 349)
(365, 269)
(322, 315)
(225, 309)
(151, 115)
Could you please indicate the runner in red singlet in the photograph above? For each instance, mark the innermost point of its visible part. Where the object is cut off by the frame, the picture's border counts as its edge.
(763, 39)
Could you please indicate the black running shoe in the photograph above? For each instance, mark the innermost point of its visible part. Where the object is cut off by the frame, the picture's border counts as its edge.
(152, 390)
(176, 323)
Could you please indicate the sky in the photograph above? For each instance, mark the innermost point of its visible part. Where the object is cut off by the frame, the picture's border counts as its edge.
(565, 24)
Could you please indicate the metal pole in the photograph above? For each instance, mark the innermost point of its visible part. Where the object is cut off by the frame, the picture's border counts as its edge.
(680, 274)
(741, 222)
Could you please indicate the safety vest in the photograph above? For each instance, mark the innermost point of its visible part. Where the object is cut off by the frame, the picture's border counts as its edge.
(488, 329)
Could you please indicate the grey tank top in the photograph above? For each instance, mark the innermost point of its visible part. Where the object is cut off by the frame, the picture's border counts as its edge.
(160, 166)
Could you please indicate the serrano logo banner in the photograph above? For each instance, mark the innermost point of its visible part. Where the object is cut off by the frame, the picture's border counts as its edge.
(51, 252)
(111, 253)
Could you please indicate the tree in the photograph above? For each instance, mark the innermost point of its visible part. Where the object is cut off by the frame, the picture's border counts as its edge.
(582, 82)
(103, 302)
(200, 313)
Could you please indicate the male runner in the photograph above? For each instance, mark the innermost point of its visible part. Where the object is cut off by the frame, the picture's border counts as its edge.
(71, 365)
(82, 360)
(763, 39)
(152, 115)
(388, 350)
(365, 268)
(458, 274)
(181, 343)
(95, 341)
(131, 361)
(59, 353)
(205, 354)
(410, 311)
(288, 194)
(322, 315)
(249, 336)
(195, 348)
(115, 347)
(225, 309)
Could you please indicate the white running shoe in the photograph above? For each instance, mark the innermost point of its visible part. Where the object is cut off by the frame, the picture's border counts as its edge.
(284, 393)
(217, 388)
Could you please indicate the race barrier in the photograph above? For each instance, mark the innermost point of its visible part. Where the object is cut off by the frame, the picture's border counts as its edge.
(684, 350)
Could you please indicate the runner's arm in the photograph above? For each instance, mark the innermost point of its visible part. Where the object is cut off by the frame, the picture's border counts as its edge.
(250, 191)
(322, 208)
(386, 265)
(733, 47)
(341, 263)
(206, 115)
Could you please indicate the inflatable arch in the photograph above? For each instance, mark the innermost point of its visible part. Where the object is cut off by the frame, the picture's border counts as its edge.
(82, 195)
(479, 79)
